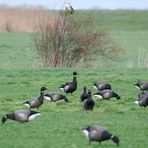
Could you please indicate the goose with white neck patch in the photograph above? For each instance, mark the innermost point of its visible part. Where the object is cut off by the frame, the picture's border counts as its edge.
(70, 87)
(38, 101)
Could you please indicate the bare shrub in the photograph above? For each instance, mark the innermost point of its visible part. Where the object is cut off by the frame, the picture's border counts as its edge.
(66, 41)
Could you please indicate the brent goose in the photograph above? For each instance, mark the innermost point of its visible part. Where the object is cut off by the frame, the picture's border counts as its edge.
(142, 101)
(84, 95)
(38, 101)
(106, 94)
(55, 96)
(89, 103)
(101, 86)
(142, 85)
(21, 116)
(70, 87)
(98, 133)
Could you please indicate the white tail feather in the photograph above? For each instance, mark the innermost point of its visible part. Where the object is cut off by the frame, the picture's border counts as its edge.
(47, 98)
(98, 96)
(137, 102)
(95, 87)
(27, 104)
(137, 87)
(62, 88)
(86, 133)
(33, 116)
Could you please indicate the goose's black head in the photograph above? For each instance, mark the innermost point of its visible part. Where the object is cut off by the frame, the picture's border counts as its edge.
(43, 89)
(84, 88)
(75, 73)
(89, 92)
(4, 119)
(95, 84)
(115, 139)
(86, 128)
(118, 97)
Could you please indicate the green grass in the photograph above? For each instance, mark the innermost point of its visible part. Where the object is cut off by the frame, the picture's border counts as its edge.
(117, 20)
(21, 77)
(60, 124)
(17, 51)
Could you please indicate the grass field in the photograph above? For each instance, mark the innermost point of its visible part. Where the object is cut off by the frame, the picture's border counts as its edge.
(21, 77)
(60, 124)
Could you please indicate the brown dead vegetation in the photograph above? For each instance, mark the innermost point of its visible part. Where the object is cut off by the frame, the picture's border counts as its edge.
(19, 19)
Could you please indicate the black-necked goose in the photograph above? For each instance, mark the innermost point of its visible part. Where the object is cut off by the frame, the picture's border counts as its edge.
(99, 134)
(106, 94)
(21, 115)
(142, 94)
(142, 101)
(89, 103)
(84, 95)
(101, 86)
(55, 96)
(70, 87)
(36, 102)
(142, 85)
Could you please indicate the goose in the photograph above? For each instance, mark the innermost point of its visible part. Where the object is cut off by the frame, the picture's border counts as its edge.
(84, 95)
(99, 134)
(106, 94)
(70, 87)
(38, 101)
(142, 94)
(69, 8)
(89, 103)
(55, 96)
(21, 116)
(142, 85)
(143, 101)
(101, 86)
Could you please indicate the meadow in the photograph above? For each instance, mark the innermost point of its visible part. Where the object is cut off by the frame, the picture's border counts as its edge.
(22, 75)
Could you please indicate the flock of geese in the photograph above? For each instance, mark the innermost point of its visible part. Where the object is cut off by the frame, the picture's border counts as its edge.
(92, 132)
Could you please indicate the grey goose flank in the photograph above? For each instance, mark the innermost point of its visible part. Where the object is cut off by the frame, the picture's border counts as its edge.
(99, 134)
(38, 101)
(21, 116)
(55, 96)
